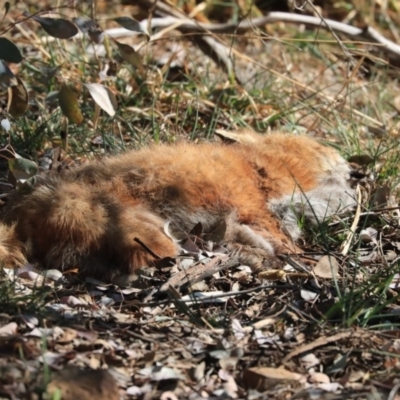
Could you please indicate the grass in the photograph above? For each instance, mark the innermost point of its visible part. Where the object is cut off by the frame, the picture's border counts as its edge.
(296, 83)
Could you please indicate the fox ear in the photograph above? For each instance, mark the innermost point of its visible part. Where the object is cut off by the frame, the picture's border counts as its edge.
(243, 136)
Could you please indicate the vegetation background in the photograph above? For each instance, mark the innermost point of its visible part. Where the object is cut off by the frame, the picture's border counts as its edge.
(83, 79)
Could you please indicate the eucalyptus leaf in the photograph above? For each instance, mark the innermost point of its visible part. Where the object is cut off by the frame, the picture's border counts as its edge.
(132, 25)
(69, 104)
(104, 97)
(18, 99)
(129, 54)
(22, 168)
(9, 51)
(59, 28)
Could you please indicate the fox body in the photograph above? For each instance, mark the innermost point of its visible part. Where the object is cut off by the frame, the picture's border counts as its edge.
(97, 217)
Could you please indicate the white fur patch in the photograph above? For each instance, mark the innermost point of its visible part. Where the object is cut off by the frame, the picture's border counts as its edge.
(330, 197)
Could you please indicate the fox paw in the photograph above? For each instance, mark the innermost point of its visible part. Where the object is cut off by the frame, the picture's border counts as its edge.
(257, 259)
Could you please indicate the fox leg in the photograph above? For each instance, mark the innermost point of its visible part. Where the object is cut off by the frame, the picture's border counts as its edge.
(257, 245)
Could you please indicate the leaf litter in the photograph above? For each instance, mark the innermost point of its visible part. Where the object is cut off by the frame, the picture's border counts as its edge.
(155, 344)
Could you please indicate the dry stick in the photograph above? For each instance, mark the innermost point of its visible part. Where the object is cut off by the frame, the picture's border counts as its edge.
(350, 235)
(147, 248)
(137, 303)
(322, 341)
(194, 274)
(173, 26)
(328, 27)
(368, 35)
(198, 272)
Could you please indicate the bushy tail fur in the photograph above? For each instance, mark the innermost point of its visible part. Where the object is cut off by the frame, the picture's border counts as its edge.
(11, 249)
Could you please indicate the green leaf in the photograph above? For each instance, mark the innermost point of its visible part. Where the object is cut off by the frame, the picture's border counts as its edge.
(132, 25)
(59, 28)
(9, 51)
(68, 101)
(22, 169)
(129, 54)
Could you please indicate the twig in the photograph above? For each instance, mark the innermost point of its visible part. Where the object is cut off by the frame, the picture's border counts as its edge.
(368, 35)
(322, 341)
(193, 27)
(148, 249)
(148, 303)
(197, 273)
(350, 235)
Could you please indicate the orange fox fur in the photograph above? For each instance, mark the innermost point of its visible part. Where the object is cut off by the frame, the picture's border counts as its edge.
(89, 217)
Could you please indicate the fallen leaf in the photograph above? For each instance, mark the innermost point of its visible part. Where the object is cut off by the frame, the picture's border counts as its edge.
(381, 196)
(330, 387)
(319, 377)
(327, 267)
(228, 363)
(72, 301)
(243, 136)
(18, 99)
(161, 373)
(197, 372)
(9, 329)
(218, 233)
(265, 378)
(321, 341)
(307, 295)
(67, 335)
(368, 235)
(309, 360)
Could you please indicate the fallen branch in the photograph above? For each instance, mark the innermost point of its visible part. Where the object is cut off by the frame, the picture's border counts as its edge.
(198, 272)
(368, 35)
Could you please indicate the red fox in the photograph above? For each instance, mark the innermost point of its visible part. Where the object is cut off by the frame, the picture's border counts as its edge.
(97, 217)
